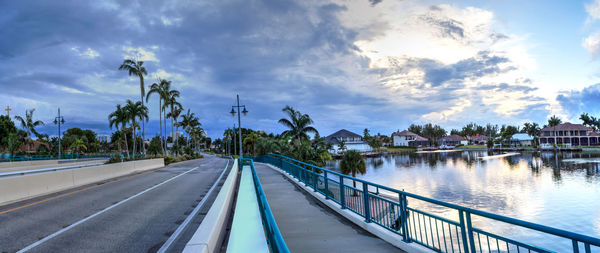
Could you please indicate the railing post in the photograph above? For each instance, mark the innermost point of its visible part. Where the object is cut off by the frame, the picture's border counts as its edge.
(326, 184)
(342, 193)
(463, 231)
(315, 178)
(575, 246)
(403, 219)
(366, 202)
(470, 230)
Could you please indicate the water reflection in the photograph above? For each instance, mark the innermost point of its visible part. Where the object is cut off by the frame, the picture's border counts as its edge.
(556, 189)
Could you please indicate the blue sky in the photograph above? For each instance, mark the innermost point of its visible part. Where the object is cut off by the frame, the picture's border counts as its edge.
(380, 65)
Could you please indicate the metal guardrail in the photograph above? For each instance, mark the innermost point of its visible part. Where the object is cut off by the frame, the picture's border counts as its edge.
(413, 225)
(54, 157)
(274, 238)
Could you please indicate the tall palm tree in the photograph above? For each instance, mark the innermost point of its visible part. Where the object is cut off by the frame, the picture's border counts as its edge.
(119, 117)
(135, 111)
(29, 125)
(172, 103)
(250, 141)
(189, 121)
(353, 163)
(533, 130)
(159, 89)
(553, 122)
(299, 125)
(135, 67)
(174, 115)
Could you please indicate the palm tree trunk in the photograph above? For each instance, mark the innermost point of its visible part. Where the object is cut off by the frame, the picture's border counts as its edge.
(134, 138)
(126, 144)
(165, 124)
(162, 143)
(143, 123)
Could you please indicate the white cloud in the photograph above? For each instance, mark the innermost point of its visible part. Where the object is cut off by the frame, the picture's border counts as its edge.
(593, 10)
(592, 44)
(170, 21)
(88, 53)
(141, 53)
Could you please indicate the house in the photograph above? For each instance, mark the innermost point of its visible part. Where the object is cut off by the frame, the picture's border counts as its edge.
(103, 138)
(33, 146)
(351, 141)
(569, 134)
(407, 138)
(478, 139)
(453, 140)
(521, 140)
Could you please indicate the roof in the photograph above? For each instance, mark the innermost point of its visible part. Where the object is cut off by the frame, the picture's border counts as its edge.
(333, 138)
(409, 133)
(522, 137)
(454, 137)
(477, 136)
(567, 127)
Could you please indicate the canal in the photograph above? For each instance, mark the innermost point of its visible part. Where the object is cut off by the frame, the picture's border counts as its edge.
(560, 190)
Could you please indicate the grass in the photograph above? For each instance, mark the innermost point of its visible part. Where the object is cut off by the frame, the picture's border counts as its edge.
(473, 146)
(398, 149)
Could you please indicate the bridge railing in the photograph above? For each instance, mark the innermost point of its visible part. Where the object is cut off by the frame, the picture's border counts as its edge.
(390, 209)
(274, 238)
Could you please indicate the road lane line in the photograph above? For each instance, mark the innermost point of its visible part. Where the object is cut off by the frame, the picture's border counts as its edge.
(100, 212)
(187, 220)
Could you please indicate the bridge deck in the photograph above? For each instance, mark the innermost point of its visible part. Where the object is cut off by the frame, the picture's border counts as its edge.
(309, 226)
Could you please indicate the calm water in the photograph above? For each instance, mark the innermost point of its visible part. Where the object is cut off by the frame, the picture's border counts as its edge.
(561, 191)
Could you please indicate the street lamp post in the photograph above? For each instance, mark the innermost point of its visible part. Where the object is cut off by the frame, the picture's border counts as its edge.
(238, 106)
(59, 120)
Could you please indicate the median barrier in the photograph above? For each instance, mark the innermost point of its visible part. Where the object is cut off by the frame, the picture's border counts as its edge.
(36, 166)
(21, 187)
(210, 234)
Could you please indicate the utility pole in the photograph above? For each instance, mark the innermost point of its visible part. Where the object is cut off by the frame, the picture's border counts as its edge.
(59, 120)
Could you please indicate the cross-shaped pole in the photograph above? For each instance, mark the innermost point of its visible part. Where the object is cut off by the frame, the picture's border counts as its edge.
(8, 111)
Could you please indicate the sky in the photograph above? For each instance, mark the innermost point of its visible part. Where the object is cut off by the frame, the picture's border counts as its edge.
(375, 64)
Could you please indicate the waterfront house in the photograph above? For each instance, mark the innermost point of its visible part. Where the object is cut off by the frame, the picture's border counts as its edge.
(407, 138)
(569, 134)
(520, 140)
(351, 140)
(478, 139)
(453, 140)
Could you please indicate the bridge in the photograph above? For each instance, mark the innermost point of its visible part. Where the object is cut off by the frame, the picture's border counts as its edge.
(270, 203)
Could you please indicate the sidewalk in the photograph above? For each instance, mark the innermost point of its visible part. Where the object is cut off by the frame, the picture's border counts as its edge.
(307, 225)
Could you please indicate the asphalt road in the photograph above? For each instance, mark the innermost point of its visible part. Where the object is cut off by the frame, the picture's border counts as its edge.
(134, 213)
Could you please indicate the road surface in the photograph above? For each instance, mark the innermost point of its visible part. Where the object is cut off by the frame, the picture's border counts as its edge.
(134, 213)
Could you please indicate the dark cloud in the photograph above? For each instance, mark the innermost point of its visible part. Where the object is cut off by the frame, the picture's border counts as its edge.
(507, 87)
(576, 102)
(375, 2)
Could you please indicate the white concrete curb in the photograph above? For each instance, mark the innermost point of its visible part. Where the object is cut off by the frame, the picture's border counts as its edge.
(210, 233)
(375, 229)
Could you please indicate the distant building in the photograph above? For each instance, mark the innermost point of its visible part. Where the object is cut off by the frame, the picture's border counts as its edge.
(351, 140)
(103, 138)
(478, 139)
(521, 140)
(33, 146)
(453, 140)
(407, 138)
(569, 134)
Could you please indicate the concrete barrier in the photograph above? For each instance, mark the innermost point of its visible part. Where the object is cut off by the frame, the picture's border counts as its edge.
(17, 188)
(209, 235)
(49, 164)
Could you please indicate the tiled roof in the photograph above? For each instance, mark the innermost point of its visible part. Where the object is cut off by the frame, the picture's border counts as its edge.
(567, 127)
(409, 133)
(454, 137)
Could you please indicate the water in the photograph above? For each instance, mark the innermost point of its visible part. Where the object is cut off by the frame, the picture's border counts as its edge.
(557, 190)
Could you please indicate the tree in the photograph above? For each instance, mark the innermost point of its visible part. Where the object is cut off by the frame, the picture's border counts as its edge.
(155, 146)
(366, 134)
(353, 163)
(7, 126)
(342, 146)
(135, 67)
(590, 121)
(29, 124)
(250, 141)
(532, 129)
(416, 129)
(119, 117)
(135, 111)
(298, 124)
(433, 132)
(78, 145)
(14, 143)
(189, 121)
(159, 88)
(553, 122)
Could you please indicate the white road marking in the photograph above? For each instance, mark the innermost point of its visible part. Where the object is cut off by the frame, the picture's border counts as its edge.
(177, 232)
(98, 213)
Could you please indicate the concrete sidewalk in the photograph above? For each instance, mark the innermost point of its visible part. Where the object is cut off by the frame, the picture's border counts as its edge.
(309, 226)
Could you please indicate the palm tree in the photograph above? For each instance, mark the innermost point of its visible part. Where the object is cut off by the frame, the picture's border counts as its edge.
(119, 117)
(29, 125)
(77, 145)
(250, 141)
(174, 115)
(553, 122)
(533, 130)
(353, 163)
(342, 146)
(134, 67)
(196, 134)
(158, 88)
(189, 121)
(299, 125)
(135, 111)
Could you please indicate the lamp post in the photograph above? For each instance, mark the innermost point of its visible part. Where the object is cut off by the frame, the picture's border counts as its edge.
(238, 106)
(59, 120)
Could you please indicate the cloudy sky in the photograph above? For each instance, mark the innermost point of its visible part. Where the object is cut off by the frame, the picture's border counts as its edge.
(357, 64)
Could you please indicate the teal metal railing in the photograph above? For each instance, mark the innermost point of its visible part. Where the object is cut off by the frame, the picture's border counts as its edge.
(54, 157)
(274, 238)
(417, 226)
